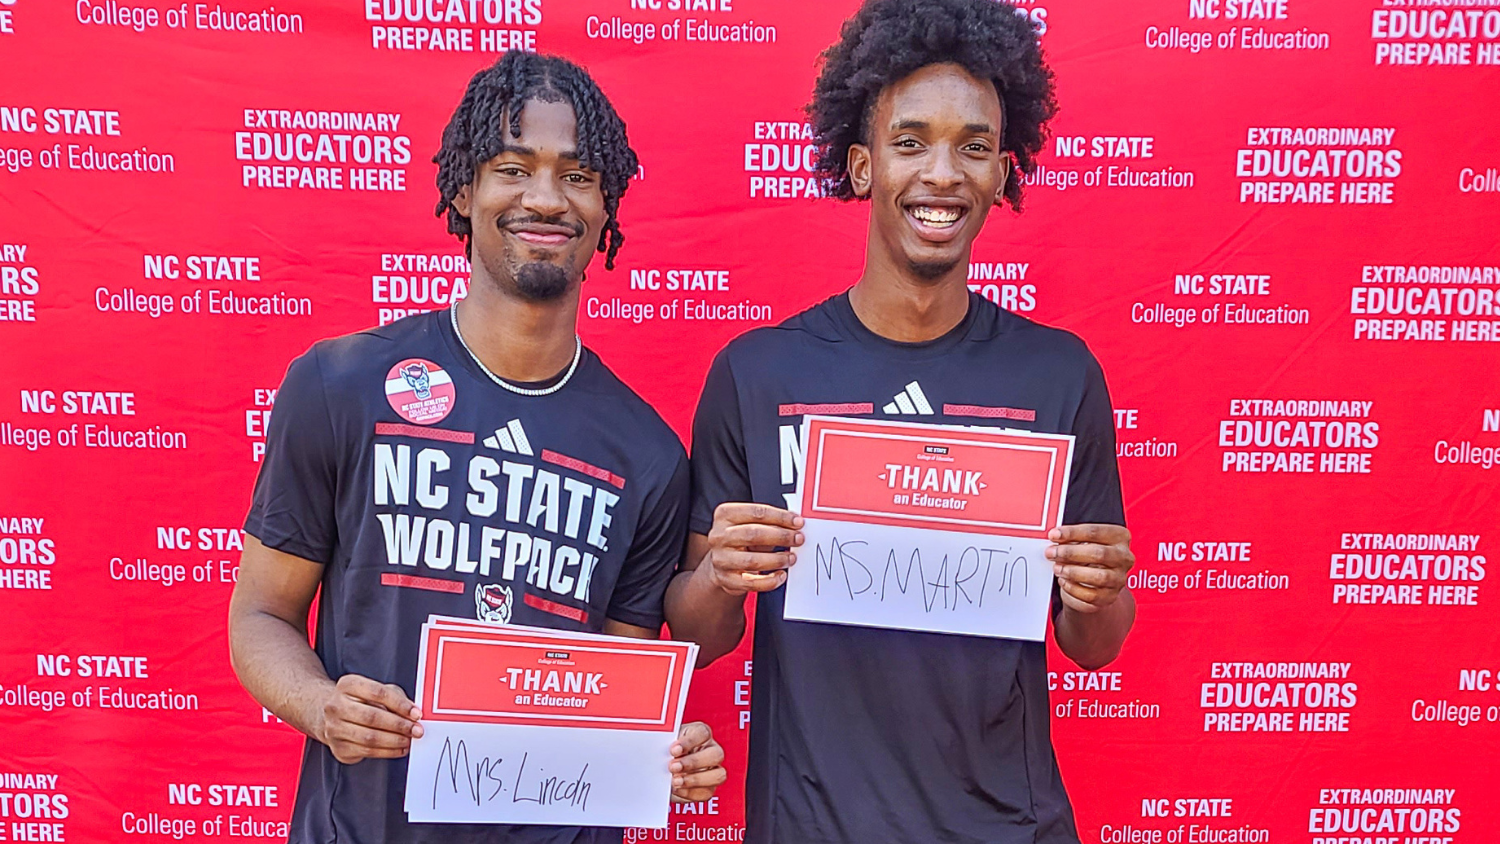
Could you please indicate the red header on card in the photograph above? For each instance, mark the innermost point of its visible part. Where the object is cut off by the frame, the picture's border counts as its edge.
(927, 476)
(517, 676)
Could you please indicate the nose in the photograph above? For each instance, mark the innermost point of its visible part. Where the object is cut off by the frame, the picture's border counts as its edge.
(942, 169)
(544, 197)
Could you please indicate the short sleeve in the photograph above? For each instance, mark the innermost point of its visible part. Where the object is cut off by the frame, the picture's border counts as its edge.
(1094, 485)
(720, 471)
(640, 592)
(293, 508)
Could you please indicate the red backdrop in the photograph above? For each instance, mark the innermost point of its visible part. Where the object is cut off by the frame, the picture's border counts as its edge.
(1273, 220)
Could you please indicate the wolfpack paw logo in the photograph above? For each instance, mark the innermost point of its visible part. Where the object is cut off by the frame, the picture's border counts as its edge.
(419, 391)
(492, 602)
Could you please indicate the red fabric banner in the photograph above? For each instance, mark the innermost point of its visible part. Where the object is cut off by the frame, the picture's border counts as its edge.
(1272, 220)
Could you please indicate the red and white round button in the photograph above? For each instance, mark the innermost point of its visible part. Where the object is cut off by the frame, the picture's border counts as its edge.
(419, 391)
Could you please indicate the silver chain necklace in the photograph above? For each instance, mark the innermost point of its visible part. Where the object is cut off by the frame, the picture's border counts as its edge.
(523, 391)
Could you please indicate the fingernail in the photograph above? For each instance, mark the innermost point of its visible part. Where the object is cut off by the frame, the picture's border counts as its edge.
(799, 539)
(675, 767)
(797, 521)
(416, 731)
(676, 750)
(1051, 552)
(416, 714)
(676, 780)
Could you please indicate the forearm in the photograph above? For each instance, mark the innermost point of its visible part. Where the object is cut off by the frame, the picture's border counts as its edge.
(1094, 639)
(699, 611)
(275, 665)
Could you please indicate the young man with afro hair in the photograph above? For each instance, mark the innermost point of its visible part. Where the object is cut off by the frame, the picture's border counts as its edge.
(398, 456)
(930, 111)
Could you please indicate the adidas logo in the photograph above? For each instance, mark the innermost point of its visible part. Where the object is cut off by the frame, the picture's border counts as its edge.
(910, 400)
(512, 438)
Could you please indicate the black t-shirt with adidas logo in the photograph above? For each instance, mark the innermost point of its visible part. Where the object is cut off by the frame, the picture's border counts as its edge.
(859, 734)
(424, 487)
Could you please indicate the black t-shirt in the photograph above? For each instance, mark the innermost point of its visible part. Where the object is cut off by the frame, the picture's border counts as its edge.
(861, 735)
(424, 487)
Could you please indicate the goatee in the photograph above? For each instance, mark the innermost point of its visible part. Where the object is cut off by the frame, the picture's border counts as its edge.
(930, 270)
(542, 282)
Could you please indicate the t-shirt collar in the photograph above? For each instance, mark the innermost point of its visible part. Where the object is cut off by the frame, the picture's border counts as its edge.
(851, 328)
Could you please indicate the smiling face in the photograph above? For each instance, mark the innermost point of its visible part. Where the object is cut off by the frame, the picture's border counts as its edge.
(535, 210)
(932, 167)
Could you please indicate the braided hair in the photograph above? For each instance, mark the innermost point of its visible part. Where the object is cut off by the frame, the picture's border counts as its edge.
(500, 92)
(888, 40)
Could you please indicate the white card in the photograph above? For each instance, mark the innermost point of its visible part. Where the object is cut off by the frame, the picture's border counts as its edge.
(534, 726)
(927, 527)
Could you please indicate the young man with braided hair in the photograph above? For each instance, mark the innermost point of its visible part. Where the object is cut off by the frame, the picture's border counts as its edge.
(477, 460)
(930, 110)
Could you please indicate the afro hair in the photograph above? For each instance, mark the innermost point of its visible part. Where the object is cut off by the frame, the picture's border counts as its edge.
(888, 40)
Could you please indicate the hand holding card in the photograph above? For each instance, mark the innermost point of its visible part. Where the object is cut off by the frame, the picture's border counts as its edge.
(751, 546)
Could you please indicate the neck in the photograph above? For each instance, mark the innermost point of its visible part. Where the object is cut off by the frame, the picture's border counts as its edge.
(899, 305)
(516, 339)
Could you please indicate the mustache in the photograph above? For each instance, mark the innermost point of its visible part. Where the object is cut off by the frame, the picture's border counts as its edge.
(537, 219)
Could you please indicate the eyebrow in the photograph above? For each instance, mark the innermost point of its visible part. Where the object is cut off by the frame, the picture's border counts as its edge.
(976, 128)
(517, 149)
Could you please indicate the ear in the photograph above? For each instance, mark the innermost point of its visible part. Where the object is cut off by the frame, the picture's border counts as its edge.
(860, 169)
(1006, 161)
(461, 200)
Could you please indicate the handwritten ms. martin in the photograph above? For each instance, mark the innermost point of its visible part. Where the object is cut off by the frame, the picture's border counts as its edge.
(933, 580)
(942, 583)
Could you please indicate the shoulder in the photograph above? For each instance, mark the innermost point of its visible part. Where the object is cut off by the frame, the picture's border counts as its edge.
(785, 340)
(346, 375)
(1055, 348)
(352, 358)
(629, 413)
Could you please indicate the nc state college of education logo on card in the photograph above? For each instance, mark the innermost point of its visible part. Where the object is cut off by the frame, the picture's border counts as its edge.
(419, 391)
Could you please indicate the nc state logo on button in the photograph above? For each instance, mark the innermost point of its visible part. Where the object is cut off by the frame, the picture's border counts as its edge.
(419, 391)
